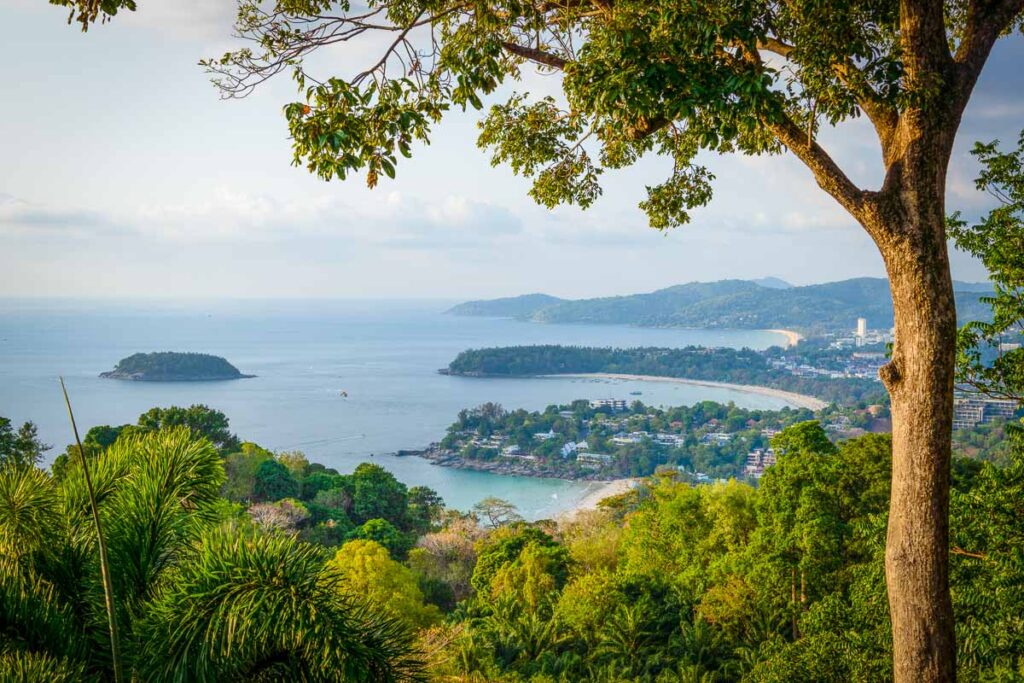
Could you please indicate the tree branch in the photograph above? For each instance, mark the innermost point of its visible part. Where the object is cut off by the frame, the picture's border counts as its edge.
(535, 55)
(986, 21)
(883, 116)
(826, 171)
(966, 553)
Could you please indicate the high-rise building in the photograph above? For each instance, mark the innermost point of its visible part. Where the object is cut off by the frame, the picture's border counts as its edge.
(862, 327)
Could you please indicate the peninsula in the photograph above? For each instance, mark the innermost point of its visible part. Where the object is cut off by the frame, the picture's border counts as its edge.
(810, 375)
(766, 304)
(169, 366)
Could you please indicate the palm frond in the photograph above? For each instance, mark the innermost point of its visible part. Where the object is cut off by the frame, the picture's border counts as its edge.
(29, 512)
(35, 667)
(249, 605)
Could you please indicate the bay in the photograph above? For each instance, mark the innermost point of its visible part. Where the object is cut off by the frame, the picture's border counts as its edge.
(383, 354)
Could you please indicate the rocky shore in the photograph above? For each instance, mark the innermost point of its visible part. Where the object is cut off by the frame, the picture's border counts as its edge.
(508, 466)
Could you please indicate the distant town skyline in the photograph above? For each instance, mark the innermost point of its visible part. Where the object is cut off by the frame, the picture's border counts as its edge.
(123, 175)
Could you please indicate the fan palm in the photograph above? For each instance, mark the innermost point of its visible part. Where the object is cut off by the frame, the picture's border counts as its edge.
(199, 598)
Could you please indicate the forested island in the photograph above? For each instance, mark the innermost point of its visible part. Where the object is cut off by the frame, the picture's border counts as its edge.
(737, 304)
(775, 368)
(168, 366)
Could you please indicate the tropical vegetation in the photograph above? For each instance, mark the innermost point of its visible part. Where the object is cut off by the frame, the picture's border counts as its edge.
(737, 366)
(168, 366)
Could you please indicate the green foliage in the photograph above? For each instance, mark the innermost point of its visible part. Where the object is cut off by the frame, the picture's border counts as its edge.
(740, 366)
(200, 594)
(241, 471)
(30, 667)
(204, 422)
(377, 494)
(425, 508)
(173, 367)
(88, 12)
(20, 448)
(496, 512)
(506, 546)
(998, 241)
(317, 483)
(265, 606)
(368, 572)
(273, 482)
(384, 532)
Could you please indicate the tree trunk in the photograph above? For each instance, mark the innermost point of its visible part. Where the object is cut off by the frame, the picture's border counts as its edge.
(920, 383)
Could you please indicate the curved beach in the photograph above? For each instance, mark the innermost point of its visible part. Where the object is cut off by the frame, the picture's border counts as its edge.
(792, 338)
(599, 491)
(798, 400)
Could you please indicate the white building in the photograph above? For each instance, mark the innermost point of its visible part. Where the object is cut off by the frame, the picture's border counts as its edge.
(970, 411)
(720, 438)
(570, 448)
(633, 437)
(594, 458)
(615, 404)
(862, 327)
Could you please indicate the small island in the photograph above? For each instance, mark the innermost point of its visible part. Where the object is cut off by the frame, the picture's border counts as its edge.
(168, 366)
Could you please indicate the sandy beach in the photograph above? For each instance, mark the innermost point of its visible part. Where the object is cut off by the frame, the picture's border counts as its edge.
(792, 338)
(798, 400)
(599, 490)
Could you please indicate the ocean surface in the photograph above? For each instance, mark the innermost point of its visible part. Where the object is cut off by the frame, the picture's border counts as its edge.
(383, 354)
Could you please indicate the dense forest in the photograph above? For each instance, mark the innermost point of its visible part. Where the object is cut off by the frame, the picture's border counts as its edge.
(167, 366)
(738, 366)
(262, 566)
(739, 304)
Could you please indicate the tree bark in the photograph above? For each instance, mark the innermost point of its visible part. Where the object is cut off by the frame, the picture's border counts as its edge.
(920, 382)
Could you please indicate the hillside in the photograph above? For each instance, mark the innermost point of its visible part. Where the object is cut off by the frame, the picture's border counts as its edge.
(508, 307)
(173, 367)
(728, 304)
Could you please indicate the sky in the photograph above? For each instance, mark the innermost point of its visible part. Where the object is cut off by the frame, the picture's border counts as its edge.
(124, 175)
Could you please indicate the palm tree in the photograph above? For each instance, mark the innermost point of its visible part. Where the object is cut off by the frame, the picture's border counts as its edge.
(200, 594)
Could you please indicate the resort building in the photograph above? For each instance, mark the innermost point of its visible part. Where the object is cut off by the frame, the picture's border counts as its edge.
(593, 458)
(971, 410)
(615, 404)
(758, 460)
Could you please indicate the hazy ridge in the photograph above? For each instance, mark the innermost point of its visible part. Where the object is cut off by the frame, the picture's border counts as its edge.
(739, 304)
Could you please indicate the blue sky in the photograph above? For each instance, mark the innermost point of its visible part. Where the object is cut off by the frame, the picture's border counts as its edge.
(122, 174)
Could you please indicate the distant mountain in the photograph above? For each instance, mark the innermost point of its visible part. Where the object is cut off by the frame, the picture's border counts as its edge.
(742, 304)
(508, 307)
(772, 283)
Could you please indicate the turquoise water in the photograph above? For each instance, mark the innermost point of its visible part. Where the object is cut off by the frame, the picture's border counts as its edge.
(385, 355)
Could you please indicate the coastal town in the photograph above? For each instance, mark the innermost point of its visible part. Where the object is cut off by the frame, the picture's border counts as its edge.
(614, 438)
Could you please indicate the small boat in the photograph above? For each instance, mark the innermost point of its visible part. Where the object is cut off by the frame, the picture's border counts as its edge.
(344, 394)
(636, 393)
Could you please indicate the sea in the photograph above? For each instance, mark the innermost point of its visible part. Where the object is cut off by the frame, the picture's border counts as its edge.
(344, 382)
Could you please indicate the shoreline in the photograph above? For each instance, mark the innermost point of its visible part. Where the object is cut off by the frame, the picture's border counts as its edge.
(798, 400)
(601, 490)
(792, 338)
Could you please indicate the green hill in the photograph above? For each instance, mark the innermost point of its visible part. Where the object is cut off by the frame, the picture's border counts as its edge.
(168, 366)
(508, 307)
(729, 304)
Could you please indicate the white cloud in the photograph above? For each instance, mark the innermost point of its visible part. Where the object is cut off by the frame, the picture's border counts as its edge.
(229, 215)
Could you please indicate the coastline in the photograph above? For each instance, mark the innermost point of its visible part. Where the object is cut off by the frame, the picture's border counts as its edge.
(798, 400)
(600, 491)
(792, 338)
